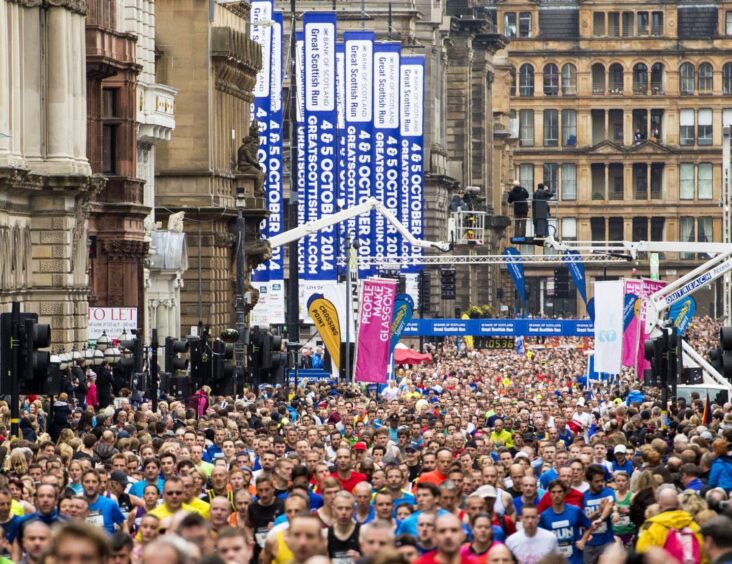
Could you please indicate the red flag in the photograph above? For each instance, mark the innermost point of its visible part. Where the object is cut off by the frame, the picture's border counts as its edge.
(707, 415)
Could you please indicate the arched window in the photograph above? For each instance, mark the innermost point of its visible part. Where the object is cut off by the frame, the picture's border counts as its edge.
(657, 79)
(598, 78)
(640, 79)
(551, 80)
(686, 79)
(705, 78)
(615, 79)
(569, 80)
(526, 80)
(727, 79)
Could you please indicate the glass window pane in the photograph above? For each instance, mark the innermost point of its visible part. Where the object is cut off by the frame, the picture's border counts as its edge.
(686, 79)
(551, 80)
(569, 128)
(705, 78)
(569, 182)
(509, 24)
(642, 23)
(569, 80)
(704, 181)
(615, 229)
(686, 181)
(525, 24)
(598, 24)
(657, 23)
(526, 128)
(628, 24)
(613, 24)
(686, 127)
(597, 228)
(551, 128)
(728, 23)
(727, 79)
(704, 229)
(526, 176)
(704, 136)
(569, 228)
(526, 80)
(727, 116)
(551, 174)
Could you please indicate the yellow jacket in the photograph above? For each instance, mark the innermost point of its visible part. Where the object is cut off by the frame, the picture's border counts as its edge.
(655, 530)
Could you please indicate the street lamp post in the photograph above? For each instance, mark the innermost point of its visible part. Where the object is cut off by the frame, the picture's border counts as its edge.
(241, 322)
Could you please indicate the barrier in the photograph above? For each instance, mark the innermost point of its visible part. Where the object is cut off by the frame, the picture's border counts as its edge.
(499, 328)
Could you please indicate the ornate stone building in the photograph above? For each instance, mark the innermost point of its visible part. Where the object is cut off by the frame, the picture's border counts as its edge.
(212, 63)
(619, 106)
(45, 177)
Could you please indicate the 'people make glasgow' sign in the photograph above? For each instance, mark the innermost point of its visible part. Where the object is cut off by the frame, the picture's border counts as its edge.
(500, 327)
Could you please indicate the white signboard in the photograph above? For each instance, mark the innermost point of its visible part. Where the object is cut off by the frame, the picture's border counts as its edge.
(113, 320)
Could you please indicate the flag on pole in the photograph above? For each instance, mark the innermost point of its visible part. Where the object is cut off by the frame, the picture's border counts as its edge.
(707, 415)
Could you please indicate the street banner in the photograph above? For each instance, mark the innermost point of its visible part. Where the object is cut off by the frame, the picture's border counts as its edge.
(359, 78)
(411, 131)
(403, 311)
(374, 329)
(608, 326)
(630, 303)
(577, 271)
(681, 313)
(300, 162)
(110, 320)
(635, 334)
(262, 11)
(319, 32)
(347, 197)
(516, 270)
(386, 141)
(499, 328)
(325, 318)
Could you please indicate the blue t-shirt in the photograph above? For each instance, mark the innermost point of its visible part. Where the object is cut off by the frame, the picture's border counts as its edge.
(627, 467)
(567, 526)
(604, 533)
(105, 513)
(547, 477)
(409, 525)
(138, 488)
(406, 498)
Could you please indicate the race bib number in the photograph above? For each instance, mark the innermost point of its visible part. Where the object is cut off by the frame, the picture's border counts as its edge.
(341, 558)
(96, 520)
(565, 550)
(261, 537)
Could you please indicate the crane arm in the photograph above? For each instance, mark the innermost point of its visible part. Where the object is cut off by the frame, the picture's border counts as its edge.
(372, 204)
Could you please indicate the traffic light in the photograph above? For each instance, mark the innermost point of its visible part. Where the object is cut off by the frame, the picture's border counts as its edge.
(425, 303)
(722, 356)
(561, 282)
(134, 345)
(201, 365)
(271, 344)
(32, 363)
(447, 280)
(174, 347)
(223, 369)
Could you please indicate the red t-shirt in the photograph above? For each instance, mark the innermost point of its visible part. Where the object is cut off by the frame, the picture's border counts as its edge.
(431, 558)
(435, 477)
(573, 497)
(350, 483)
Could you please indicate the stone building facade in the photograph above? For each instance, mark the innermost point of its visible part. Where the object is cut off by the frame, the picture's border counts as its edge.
(212, 63)
(46, 181)
(619, 106)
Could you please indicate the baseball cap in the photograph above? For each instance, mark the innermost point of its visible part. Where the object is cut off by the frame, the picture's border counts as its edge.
(486, 491)
(359, 446)
(120, 477)
(620, 449)
(707, 435)
(410, 449)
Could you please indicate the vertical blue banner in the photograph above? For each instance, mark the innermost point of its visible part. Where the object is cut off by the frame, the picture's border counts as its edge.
(300, 134)
(682, 312)
(387, 139)
(359, 67)
(411, 130)
(577, 271)
(260, 110)
(403, 311)
(516, 270)
(319, 29)
(343, 196)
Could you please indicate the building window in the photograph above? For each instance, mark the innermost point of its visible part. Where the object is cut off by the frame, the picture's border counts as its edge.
(509, 24)
(615, 80)
(569, 80)
(569, 228)
(640, 79)
(643, 23)
(704, 230)
(598, 24)
(727, 78)
(551, 128)
(686, 127)
(657, 181)
(705, 78)
(628, 21)
(598, 78)
(640, 181)
(551, 80)
(526, 128)
(657, 224)
(686, 181)
(657, 79)
(525, 24)
(615, 229)
(569, 128)
(551, 177)
(613, 24)
(526, 176)
(704, 181)
(512, 72)
(656, 124)
(597, 172)
(597, 229)
(686, 79)
(110, 124)
(526, 80)
(686, 234)
(569, 182)
(616, 181)
(727, 117)
(657, 24)
(704, 127)
(640, 229)
(728, 23)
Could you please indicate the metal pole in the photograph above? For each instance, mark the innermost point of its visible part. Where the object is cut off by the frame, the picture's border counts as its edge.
(348, 308)
(293, 288)
(726, 222)
(241, 322)
(154, 370)
(14, 352)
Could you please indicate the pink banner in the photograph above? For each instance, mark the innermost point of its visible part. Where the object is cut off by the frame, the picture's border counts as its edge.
(635, 335)
(374, 330)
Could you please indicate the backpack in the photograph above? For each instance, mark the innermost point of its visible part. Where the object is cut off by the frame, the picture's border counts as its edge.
(683, 545)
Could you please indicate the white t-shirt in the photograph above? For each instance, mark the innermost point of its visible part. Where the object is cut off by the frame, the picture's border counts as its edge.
(529, 550)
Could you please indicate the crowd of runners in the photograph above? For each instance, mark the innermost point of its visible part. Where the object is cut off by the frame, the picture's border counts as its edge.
(479, 457)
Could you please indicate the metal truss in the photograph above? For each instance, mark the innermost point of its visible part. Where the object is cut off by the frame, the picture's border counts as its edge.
(396, 262)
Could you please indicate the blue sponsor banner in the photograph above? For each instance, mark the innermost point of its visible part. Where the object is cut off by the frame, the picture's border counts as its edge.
(319, 33)
(403, 311)
(359, 77)
(516, 270)
(262, 11)
(347, 198)
(500, 327)
(386, 138)
(300, 134)
(577, 271)
(629, 303)
(411, 130)
(681, 313)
